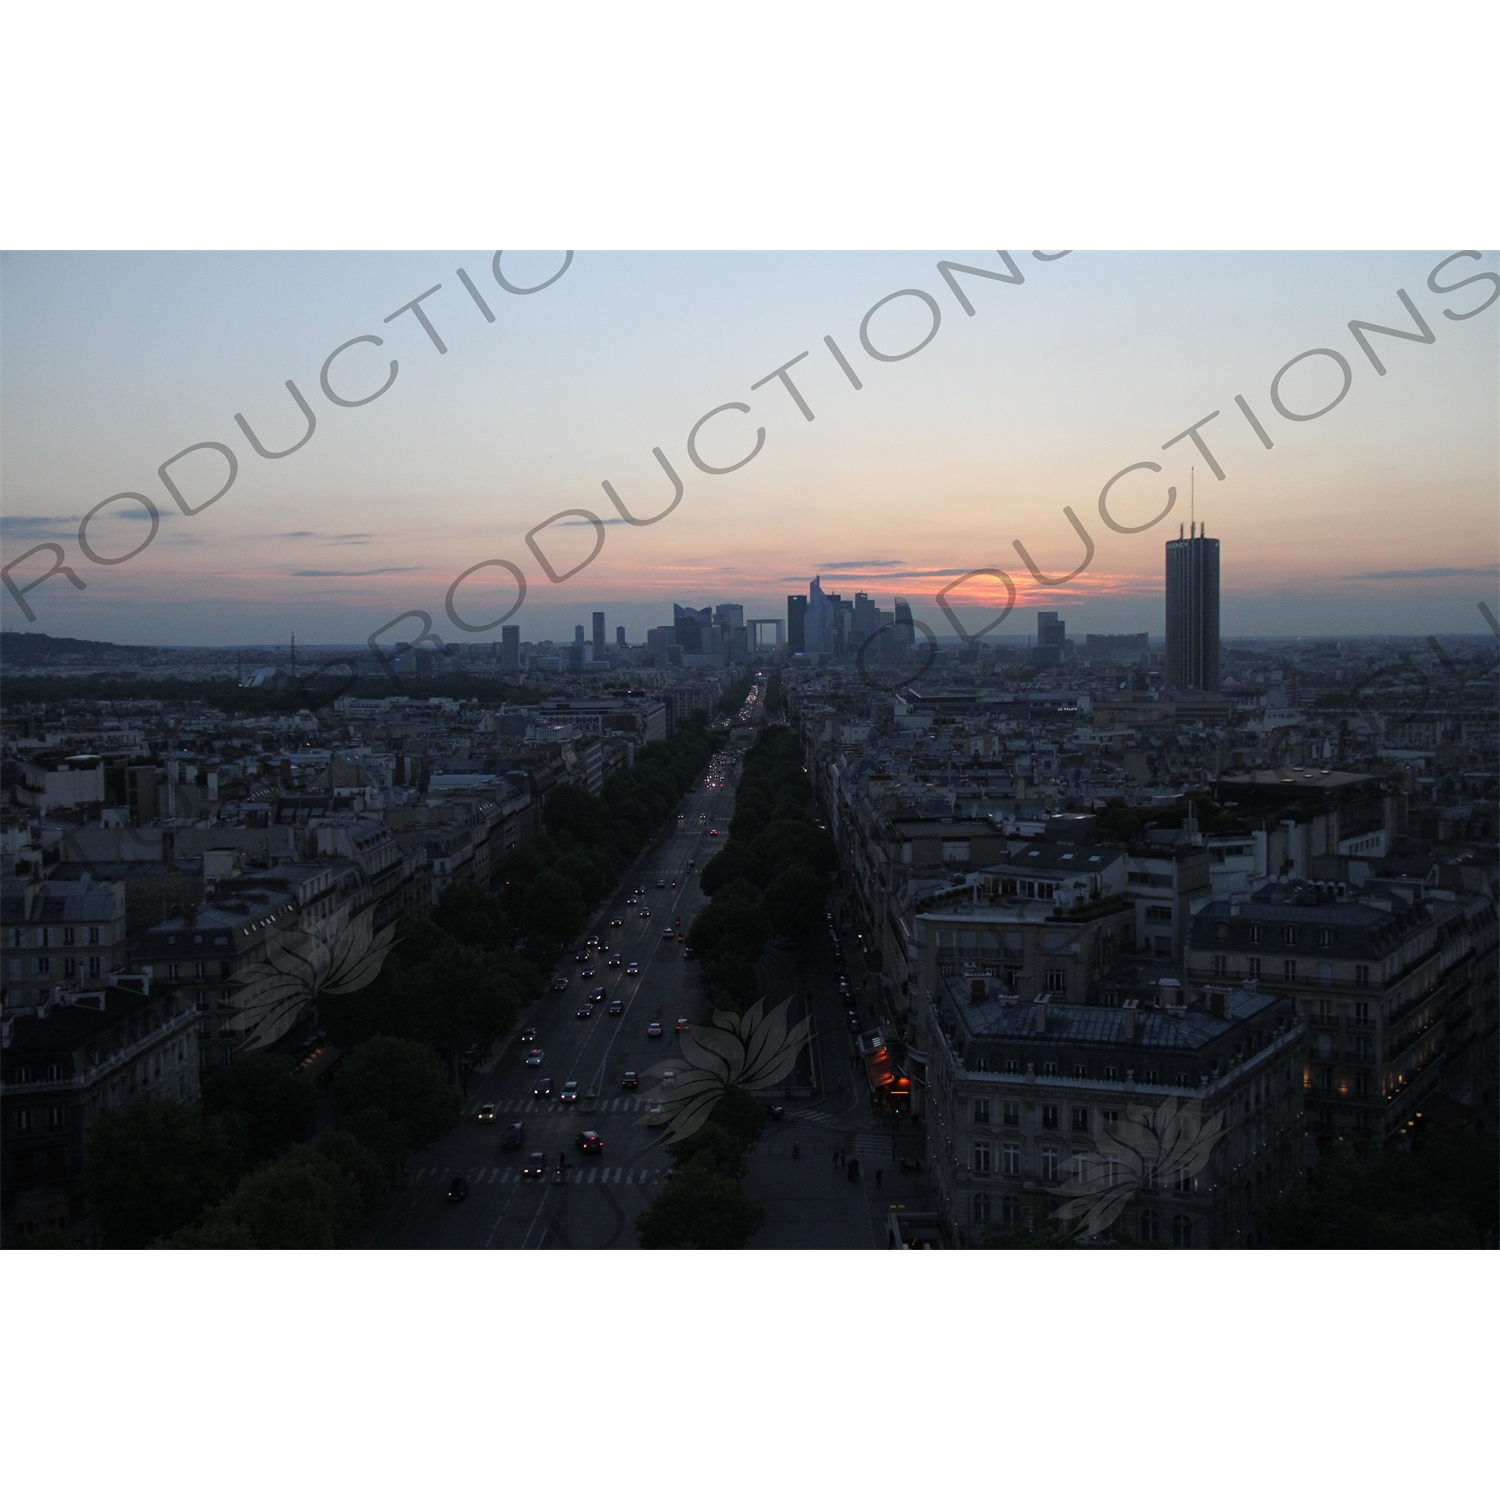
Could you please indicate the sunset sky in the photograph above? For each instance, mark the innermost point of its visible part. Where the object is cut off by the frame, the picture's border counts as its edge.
(1378, 517)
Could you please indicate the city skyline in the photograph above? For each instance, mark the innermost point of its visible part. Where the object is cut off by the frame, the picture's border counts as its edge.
(937, 463)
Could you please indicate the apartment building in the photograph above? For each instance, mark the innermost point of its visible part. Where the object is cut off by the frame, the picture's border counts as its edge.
(59, 934)
(1032, 1103)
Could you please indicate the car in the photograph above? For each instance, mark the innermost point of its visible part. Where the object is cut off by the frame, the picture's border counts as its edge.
(668, 932)
(668, 1079)
(632, 969)
(487, 1113)
(615, 922)
(596, 941)
(560, 983)
(458, 1189)
(677, 921)
(596, 994)
(630, 900)
(536, 1164)
(617, 1007)
(674, 885)
(682, 1024)
(535, 1058)
(629, 1080)
(644, 912)
(529, 1035)
(515, 1133)
(681, 938)
(569, 1093)
(582, 956)
(640, 890)
(687, 952)
(692, 864)
(654, 1029)
(543, 1089)
(584, 1012)
(776, 1111)
(589, 1142)
(587, 973)
(661, 885)
(614, 961)
(656, 1115)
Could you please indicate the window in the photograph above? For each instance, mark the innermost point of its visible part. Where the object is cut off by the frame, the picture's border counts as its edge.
(24, 1120)
(981, 1208)
(1049, 1117)
(1080, 1165)
(1080, 1117)
(44, 937)
(44, 966)
(1325, 1010)
(1362, 977)
(16, 938)
(1289, 936)
(1111, 1073)
(1110, 1116)
(981, 1156)
(1080, 1070)
(67, 937)
(1180, 1080)
(1148, 1177)
(1054, 980)
(1150, 1227)
(1257, 933)
(1012, 1111)
(1325, 937)
(96, 966)
(1010, 1210)
(57, 1117)
(1150, 1075)
(1010, 1156)
(1362, 1010)
(1221, 932)
(1182, 1232)
(171, 971)
(70, 966)
(94, 937)
(1110, 1176)
(981, 1111)
(1049, 1164)
(1252, 966)
(1289, 968)
(1013, 1065)
(197, 971)
(1161, 914)
(1184, 1182)
(1220, 965)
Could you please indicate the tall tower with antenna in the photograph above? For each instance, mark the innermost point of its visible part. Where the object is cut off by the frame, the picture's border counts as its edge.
(1193, 610)
(294, 658)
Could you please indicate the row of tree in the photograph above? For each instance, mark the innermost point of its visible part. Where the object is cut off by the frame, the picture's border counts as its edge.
(704, 1206)
(771, 876)
(247, 1167)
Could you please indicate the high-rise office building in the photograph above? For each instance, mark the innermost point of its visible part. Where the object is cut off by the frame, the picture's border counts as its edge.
(598, 635)
(692, 626)
(510, 647)
(620, 640)
(1051, 639)
(864, 617)
(796, 616)
(1193, 613)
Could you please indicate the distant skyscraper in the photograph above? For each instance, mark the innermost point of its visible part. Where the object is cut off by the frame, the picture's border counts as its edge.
(796, 616)
(1051, 639)
(598, 635)
(510, 647)
(620, 637)
(864, 617)
(578, 635)
(1193, 613)
(818, 620)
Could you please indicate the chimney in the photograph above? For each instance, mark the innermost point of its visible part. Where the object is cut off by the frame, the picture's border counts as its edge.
(1039, 1010)
(1129, 1011)
(976, 991)
(1216, 1003)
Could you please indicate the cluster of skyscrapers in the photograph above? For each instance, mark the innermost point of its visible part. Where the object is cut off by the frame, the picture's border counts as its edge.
(828, 624)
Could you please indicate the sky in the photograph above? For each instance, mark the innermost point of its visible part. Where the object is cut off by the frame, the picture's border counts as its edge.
(1377, 517)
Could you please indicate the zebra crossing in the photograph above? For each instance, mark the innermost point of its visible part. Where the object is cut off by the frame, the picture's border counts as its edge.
(869, 1143)
(486, 1175)
(624, 1105)
(816, 1116)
